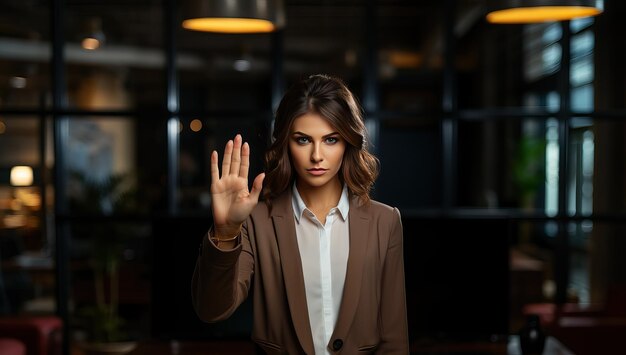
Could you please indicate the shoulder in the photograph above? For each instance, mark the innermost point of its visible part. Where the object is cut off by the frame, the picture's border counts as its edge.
(385, 220)
(389, 223)
(380, 210)
(379, 206)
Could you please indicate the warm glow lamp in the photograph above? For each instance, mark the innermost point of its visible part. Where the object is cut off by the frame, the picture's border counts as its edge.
(21, 176)
(537, 11)
(234, 16)
(94, 35)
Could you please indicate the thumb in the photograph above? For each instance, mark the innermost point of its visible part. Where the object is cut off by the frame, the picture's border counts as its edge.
(257, 186)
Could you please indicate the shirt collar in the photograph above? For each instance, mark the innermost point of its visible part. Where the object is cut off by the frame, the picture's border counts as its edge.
(343, 206)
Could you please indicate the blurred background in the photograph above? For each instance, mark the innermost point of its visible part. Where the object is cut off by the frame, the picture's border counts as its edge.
(501, 144)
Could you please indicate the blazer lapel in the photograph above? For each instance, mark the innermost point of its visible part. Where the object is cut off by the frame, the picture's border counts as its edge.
(284, 225)
(359, 237)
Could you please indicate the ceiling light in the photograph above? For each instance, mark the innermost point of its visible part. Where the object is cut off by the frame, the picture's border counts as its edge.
(537, 11)
(94, 35)
(234, 16)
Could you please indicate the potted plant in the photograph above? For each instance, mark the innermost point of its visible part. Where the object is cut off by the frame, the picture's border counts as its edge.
(104, 327)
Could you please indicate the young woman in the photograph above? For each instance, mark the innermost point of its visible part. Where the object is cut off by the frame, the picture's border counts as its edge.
(326, 262)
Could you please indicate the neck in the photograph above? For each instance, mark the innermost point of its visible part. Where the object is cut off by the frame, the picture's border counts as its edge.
(321, 198)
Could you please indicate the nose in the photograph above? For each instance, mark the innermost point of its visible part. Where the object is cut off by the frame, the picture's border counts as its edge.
(316, 153)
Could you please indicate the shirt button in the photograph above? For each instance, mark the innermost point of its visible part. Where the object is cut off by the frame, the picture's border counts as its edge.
(337, 344)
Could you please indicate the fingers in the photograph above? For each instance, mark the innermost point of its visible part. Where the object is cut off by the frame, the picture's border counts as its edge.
(215, 173)
(245, 161)
(257, 186)
(228, 152)
(236, 157)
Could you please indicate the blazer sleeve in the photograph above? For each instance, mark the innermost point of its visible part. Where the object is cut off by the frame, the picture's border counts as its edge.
(222, 278)
(393, 315)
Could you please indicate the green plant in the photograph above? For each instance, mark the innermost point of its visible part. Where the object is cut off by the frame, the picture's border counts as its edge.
(116, 194)
(529, 167)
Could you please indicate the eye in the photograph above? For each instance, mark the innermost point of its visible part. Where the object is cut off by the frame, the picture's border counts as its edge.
(302, 140)
(332, 140)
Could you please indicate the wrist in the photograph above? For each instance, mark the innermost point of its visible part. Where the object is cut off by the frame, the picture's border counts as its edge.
(225, 243)
(227, 232)
(225, 237)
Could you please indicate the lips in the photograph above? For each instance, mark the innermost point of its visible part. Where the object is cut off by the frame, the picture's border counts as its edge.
(316, 171)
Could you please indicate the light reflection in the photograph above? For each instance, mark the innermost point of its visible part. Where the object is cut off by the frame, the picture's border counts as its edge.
(18, 82)
(242, 65)
(552, 168)
(195, 125)
(588, 148)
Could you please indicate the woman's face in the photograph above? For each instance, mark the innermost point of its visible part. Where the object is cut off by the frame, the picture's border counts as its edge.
(316, 151)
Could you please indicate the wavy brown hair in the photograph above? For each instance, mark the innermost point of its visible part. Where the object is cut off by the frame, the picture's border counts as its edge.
(330, 98)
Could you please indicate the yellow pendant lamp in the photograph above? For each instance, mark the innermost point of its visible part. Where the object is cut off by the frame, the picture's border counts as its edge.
(537, 11)
(234, 16)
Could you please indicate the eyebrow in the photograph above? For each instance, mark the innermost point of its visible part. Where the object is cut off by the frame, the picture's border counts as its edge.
(306, 135)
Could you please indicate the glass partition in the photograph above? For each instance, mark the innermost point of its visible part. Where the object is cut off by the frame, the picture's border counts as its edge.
(605, 139)
(115, 165)
(509, 163)
(24, 55)
(111, 273)
(114, 55)
(27, 279)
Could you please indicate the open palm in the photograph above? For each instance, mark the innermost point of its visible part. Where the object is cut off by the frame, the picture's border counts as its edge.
(232, 201)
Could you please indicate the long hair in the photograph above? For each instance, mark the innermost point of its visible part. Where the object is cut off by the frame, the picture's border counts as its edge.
(330, 98)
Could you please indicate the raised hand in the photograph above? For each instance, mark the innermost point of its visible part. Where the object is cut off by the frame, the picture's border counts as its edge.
(232, 202)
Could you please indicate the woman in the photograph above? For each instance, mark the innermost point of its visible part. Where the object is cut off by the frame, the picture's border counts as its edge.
(326, 262)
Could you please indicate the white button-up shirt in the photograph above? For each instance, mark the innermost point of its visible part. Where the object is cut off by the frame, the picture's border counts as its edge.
(324, 253)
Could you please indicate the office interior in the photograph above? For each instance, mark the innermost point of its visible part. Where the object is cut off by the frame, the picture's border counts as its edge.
(501, 144)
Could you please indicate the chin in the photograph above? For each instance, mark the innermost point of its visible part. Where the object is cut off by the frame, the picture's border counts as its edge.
(314, 183)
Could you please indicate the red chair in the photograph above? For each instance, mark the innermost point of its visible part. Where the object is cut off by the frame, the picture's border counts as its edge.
(39, 335)
(12, 347)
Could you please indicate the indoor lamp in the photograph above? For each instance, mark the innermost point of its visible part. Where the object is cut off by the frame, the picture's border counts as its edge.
(536, 11)
(21, 176)
(234, 16)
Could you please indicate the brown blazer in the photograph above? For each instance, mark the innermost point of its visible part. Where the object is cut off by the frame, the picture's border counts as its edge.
(372, 318)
